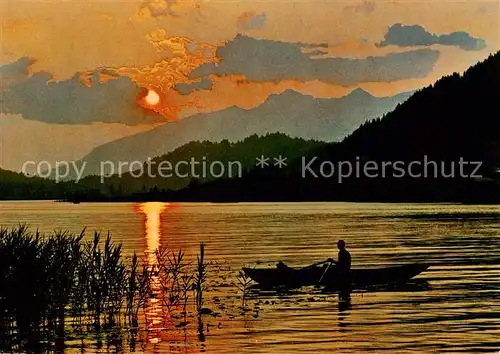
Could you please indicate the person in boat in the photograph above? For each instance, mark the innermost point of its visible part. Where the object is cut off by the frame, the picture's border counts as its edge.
(344, 259)
(342, 266)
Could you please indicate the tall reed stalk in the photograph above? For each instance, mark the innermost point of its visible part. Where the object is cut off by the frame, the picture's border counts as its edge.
(138, 290)
(200, 275)
(243, 286)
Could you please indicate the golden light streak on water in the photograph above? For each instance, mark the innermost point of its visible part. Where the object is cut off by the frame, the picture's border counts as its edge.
(154, 313)
(153, 227)
(452, 307)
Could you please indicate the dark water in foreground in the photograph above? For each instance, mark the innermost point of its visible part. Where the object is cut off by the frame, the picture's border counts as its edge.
(454, 306)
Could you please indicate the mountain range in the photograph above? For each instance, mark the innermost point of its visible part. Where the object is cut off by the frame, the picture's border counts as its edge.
(290, 113)
(448, 123)
(456, 119)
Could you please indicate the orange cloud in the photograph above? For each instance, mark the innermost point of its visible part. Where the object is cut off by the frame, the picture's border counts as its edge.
(166, 8)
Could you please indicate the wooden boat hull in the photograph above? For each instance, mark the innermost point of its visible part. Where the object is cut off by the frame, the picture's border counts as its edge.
(294, 278)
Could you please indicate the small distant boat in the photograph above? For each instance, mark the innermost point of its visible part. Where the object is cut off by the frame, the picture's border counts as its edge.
(294, 278)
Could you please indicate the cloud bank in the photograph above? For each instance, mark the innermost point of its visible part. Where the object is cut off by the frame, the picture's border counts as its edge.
(251, 21)
(262, 60)
(416, 35)
(15, 72)
(73, 101)
(203, 83)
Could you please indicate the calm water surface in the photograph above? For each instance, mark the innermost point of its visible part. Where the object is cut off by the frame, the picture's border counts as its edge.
(454, 306)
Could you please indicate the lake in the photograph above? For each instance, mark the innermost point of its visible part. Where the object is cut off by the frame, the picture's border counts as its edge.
(453, 306)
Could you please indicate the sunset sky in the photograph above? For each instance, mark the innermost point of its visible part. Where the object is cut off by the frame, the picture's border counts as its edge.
(75, 74)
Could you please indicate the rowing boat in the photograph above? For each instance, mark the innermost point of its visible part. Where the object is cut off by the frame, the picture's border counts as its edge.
(297, 277)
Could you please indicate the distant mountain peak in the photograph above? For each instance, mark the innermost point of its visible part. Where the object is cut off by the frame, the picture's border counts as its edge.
(289, 93)
(292, 93)
(359, 92)
(288, 96)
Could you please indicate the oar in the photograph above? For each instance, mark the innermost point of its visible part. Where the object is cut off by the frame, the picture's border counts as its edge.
(314, 265)
(303, 268)
(326, 270)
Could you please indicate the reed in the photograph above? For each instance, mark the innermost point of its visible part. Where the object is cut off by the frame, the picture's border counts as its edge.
(80, 288)
(47, 279)
(199, 277)
(133, 287)
(243, 285)
(186, 286)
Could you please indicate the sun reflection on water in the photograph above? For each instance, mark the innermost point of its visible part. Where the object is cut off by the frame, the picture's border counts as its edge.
(153, 213)
(154, 313)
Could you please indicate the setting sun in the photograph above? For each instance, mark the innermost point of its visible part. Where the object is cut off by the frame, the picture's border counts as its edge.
(152, 98)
